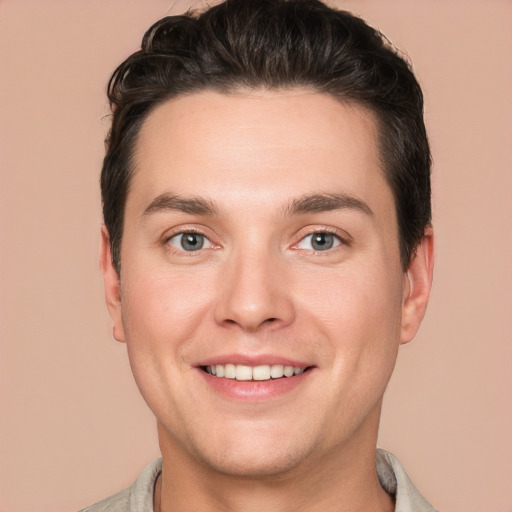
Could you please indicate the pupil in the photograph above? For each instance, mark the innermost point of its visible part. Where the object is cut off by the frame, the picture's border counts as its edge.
(192, 242)
(322, 241)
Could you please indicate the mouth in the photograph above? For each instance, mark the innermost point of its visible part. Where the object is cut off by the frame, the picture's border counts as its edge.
(254, 379)
(246, 373)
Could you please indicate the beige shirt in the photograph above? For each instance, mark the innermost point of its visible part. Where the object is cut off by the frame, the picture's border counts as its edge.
(393, 478)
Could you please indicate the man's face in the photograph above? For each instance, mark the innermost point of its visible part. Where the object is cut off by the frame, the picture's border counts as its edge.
(260, 234)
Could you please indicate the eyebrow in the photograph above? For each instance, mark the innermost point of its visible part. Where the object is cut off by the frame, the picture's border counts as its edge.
(173, 203)
(302, 205)
(327, 202)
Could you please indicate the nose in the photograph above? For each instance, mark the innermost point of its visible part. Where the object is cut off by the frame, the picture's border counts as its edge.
(254, 294)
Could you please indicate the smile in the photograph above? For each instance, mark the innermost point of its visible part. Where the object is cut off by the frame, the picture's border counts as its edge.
(252, 373)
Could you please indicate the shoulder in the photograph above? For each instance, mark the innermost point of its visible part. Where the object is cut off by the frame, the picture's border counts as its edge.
(136, 498)
(394, 479)
(117, 503)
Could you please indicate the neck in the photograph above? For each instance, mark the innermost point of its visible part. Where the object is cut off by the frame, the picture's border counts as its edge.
(344, 479)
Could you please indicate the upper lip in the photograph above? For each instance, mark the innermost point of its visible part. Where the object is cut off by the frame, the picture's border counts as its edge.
(259, 360)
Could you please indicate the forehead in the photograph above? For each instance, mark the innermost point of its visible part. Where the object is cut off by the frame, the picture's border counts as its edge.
(256, 144)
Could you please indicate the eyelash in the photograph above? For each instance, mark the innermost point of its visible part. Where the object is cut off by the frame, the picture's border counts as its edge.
(339, 240)
(190, 231)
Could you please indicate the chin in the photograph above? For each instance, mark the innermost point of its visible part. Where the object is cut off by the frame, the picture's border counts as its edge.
(253, 464)
(258, 452)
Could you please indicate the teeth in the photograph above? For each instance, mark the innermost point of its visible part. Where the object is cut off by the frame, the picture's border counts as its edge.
(230, 371)
(288, 371)
(261, 373)
(277, 371)
(243, 372)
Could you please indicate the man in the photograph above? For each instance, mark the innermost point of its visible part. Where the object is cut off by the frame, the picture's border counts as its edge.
(267, 247)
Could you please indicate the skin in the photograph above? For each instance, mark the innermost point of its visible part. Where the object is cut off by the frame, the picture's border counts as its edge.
(259, 287)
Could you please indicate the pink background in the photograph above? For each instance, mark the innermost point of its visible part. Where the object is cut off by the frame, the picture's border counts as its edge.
(73, 427)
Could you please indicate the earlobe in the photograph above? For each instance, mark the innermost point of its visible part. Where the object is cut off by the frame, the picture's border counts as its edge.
(112, 285)
(417, 285)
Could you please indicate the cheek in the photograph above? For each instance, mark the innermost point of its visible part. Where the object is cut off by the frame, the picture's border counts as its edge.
(161, 313)
(354, 317)
(362, 296)
(359, 313)
(163, 306)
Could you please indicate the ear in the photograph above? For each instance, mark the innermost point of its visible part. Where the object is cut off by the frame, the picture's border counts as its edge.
(112, 285)
(417, 284)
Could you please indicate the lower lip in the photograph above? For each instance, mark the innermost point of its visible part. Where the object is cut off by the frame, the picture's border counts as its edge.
(251, 390)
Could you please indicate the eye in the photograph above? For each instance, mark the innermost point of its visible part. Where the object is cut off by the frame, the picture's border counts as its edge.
(189, 242)
(320, 241)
